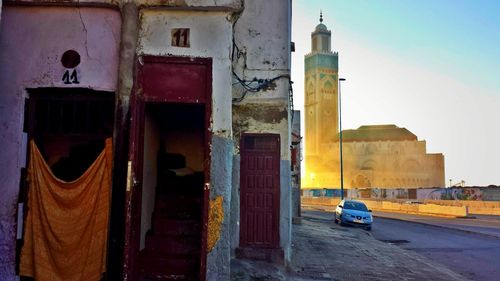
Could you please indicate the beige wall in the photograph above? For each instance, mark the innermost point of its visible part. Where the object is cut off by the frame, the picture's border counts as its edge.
(188, 143)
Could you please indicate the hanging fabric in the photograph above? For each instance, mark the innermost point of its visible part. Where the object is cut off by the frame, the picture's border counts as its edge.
(66, 227)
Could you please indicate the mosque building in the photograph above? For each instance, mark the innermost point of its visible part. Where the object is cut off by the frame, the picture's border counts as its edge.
(381, 156)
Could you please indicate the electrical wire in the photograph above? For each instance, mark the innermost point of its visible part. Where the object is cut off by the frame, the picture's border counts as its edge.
(255, 85)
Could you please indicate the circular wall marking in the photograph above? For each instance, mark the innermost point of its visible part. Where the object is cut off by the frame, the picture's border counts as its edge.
(70, 59)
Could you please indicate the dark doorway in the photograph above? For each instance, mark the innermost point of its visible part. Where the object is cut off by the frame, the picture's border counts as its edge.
(169, 152)
(70, 126)
(260, 190)
(172, 191)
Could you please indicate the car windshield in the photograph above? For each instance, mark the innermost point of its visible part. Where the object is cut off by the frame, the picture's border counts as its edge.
(355, 206)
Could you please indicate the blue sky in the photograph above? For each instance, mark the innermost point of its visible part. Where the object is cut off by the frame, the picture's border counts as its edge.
(432, 66)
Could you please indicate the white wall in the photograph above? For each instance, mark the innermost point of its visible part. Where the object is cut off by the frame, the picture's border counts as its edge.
(262, 34)
(34, 61)
(149, 175)
(210, 37)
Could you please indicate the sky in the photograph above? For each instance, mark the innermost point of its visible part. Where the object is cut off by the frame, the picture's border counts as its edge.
(431, 66)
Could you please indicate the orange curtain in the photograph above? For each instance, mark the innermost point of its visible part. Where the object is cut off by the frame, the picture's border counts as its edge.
(66, 227)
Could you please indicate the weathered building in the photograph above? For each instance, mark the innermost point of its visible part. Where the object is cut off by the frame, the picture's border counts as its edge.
(384, 156)
(195, 96)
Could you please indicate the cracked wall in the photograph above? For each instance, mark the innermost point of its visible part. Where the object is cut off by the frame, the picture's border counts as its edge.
(32, 41)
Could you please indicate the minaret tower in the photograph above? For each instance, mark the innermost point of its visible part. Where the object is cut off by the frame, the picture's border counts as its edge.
(321, 99)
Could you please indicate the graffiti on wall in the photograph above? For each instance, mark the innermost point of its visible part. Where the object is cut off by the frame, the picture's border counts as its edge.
(458, 193)
(450, 194)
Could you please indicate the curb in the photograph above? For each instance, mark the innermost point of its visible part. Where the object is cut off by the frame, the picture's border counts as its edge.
(425, 214)
(324, 207)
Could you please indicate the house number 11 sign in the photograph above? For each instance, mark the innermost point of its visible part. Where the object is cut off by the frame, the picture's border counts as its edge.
(180, 37)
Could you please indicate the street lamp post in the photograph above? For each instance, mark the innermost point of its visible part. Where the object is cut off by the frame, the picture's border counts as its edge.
(340, 142)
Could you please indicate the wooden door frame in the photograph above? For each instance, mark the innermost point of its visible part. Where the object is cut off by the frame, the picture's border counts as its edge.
(133, 202)
(277, 199)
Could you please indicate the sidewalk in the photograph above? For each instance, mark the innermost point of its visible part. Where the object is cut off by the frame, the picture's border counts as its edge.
(322, 250)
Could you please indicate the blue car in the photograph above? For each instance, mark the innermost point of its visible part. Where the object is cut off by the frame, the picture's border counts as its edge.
(353, 212)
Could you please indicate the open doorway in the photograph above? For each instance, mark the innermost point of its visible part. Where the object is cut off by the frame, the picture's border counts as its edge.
(172, 191)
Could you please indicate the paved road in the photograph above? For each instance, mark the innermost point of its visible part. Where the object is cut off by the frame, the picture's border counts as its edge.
(489, 225)
(475, 256)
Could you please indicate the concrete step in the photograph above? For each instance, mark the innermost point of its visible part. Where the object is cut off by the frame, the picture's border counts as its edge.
(168, 267)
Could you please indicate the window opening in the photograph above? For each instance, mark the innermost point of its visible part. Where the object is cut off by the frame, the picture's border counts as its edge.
(69, 126)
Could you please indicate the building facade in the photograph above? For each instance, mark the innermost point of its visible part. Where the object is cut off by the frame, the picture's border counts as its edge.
(382, 156)
(320, 101)
(193, 94)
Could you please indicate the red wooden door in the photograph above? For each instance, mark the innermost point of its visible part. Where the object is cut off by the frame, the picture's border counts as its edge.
(260, 190)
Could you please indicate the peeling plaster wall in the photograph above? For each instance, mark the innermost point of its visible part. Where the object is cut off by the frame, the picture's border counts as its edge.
(233, 4)
(218, 260)
(262, 38)
(262, 118)
(197, 4)
(32, 40)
